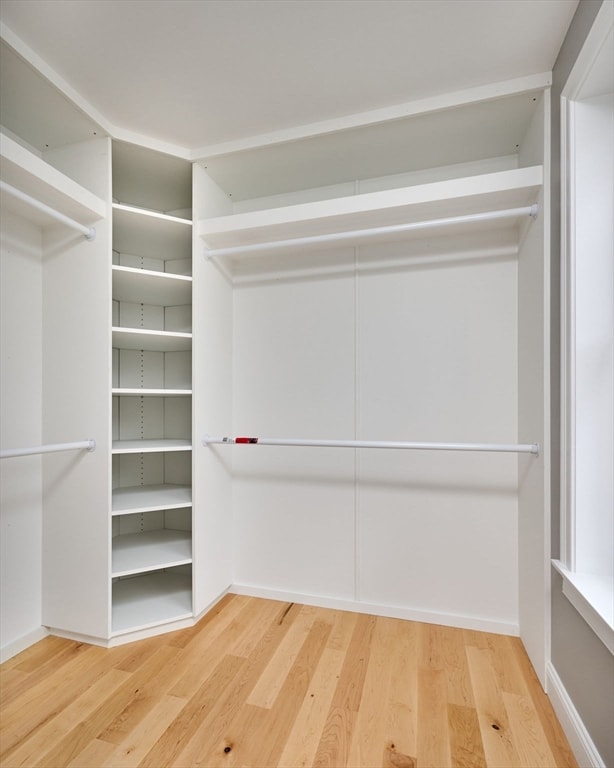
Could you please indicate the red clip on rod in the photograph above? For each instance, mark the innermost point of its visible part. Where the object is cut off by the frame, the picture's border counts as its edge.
(246, 439)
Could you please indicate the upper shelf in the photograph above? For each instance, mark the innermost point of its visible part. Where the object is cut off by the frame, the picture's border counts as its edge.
(36, 110)
(449, 129)
(33, 176)
(147, 233)
(457, 197)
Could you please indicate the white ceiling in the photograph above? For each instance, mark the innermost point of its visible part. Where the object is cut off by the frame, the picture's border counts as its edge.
(195, 73)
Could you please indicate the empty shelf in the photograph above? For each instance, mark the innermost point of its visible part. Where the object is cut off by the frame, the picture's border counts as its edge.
(145, 286)
(160, 445)
(147, 233)
(148, 498)
(142, 392)
(154, 598)
(150, 550)
(154, 341)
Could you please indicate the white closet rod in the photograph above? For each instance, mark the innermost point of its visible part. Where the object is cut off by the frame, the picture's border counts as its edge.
(496, 447)
(508, 213)
(88, 232)
(89, 445)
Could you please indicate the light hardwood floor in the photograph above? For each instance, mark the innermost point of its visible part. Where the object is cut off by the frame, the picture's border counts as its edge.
(264, 683)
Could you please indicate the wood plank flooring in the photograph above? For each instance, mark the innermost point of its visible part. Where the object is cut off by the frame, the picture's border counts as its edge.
(259, 683)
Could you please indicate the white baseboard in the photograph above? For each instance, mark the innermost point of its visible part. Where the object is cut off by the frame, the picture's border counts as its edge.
(579, 739)
(17, 646)
(137, 634)
(373, 609)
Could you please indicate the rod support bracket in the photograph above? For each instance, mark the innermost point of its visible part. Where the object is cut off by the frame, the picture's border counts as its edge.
(534, 211)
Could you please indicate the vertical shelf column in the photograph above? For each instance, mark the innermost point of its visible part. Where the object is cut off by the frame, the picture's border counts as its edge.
(151, 511)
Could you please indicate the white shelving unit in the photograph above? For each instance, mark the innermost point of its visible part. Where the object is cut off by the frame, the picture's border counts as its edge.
(59, 373)
(151, 506)
(434, 334)
(438, 335)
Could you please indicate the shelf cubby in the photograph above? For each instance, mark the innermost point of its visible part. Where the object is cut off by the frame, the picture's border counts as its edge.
(153, 341)
(150, 551)
(149, 481)
(139, 371)
(151, 234)
(150, 419)
(148, 286)
(151, 599)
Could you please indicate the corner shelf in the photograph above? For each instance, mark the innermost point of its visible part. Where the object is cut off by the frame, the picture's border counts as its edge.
(150, 550)
(161, 445)
(141, 602)
(136, 392)
(146, 286)
(140, 231)
(149, 498)
(153, 341)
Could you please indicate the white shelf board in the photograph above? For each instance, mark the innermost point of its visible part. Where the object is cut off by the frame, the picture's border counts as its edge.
(154, 341)
(30, 174)
(144, 286)
(147, 233)
(149, 600)
(151, 392)
(150, 550)
(476, 124)
(456, 197)
(148, 498)
(161, 445)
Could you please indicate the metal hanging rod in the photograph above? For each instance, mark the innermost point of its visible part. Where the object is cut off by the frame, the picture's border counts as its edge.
(88, 232)
(89, 445)
(490, 447)
(508, 213)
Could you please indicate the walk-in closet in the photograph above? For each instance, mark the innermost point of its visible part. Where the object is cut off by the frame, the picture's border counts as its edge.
(310, 358)
(381, 287)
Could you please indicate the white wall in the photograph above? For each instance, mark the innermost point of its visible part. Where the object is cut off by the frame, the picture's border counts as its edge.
(20, 425)
(403, 342)
(437, 340)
